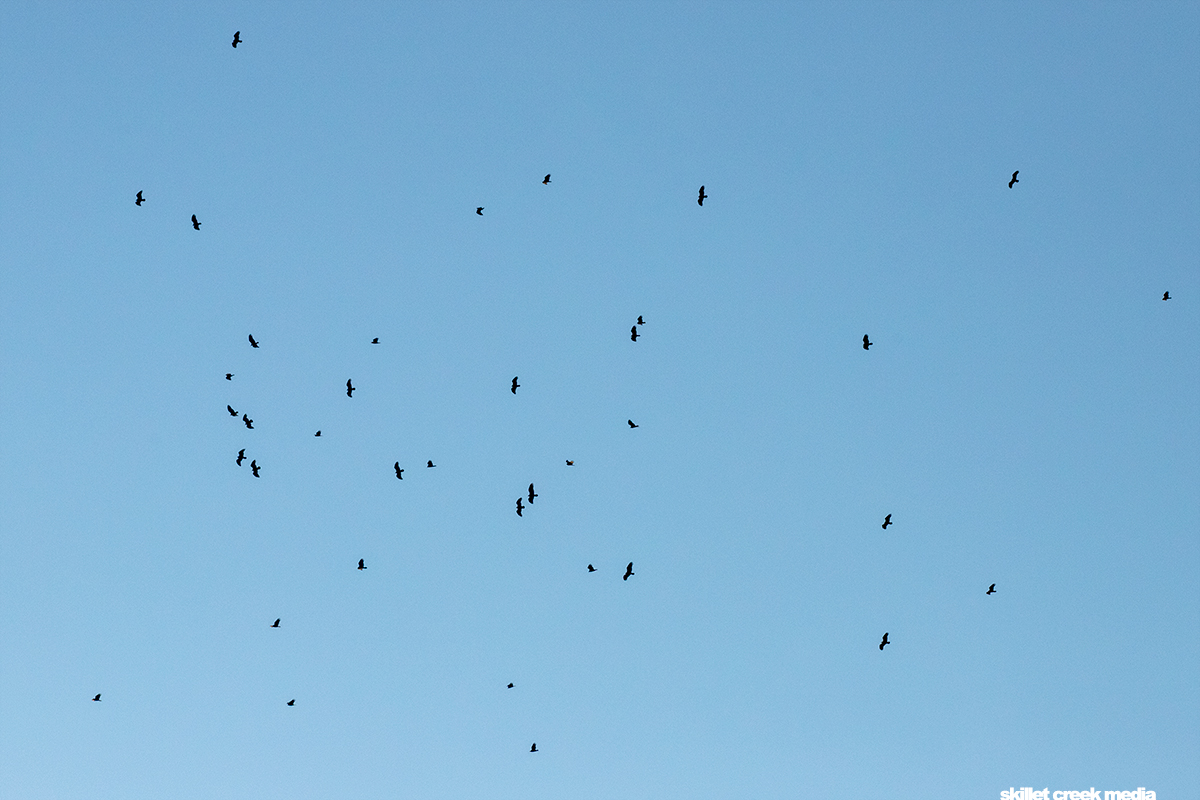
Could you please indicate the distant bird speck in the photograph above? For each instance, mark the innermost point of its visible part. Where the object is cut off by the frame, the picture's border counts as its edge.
(520, 508)
(887, 521)
(237, 39)
(591, 568)
(1166, 295)
(515, 385)
(631, 424)
(640, 320)
(228, 376)
(292, 702)
(1014, 180)
(254, 467)
(241, 456)
(533, 748)
(275, 624)
(249, 422)
(232, 413)
(362, 564)
(140, 199)
(479, 211)
(510, 686)
(96, 699)
(532, 494)
(628, 572)
(700, 200)
(992, 589)
(318, 433)
(546, 180)
(867, 342)
(429, 464)
(884, 642)
(349, 388)
(195, 222)
(399, 472)
(375, 340)
(633, 334)
(570, 463)
(253, 343)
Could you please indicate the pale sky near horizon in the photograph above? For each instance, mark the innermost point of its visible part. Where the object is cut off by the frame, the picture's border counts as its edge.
(1028, 412)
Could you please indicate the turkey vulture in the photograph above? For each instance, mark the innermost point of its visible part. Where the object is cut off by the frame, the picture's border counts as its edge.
(633, 334)
(195, 222)
(241, 456)
(887, 521)
(399, 472)
(702, 196)
(253, 343)
(515, 385)
(628, 572)
(992, 589)
(254, 467)
(237, 39)
(867, 342)
(532, 494)
(885, 641)
(1014, 180)
(232, 413)
(520, 508)
(349, 388)
(249, 422)
(140, 199)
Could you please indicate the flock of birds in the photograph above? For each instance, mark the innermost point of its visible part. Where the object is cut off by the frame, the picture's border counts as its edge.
(525, 500)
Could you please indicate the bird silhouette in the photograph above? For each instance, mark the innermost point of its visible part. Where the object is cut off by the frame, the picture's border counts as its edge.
(195, 222)
(275, 624)
(249, 422)
(628, 572)
(361, 564)
(515, 385)
(140, 199)
(546, 180)
(253, 343)
(1166, 295)
(429, 464)
(375, 340)
(520, 508)
(241, 456)
(532, 494)
(510, 686)
(237, 39)
(318, 433)
(867, 342)
(887, 521)
(479, 211)
(533, 748)
(254, 467)
(640, 320)
(591, 568)
(399, 472)
(349, 388)
(292, 702)
(96, 699)
(570, 463)
(631, 424)
(633, 334)
(1014, 180)
(228, 376)
(992, 589)
(702, 196)
(232, 413)
(885, 641)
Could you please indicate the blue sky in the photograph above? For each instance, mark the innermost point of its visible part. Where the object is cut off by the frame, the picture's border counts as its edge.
(1027, 414)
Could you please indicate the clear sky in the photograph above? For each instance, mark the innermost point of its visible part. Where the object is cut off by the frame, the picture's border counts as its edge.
(1028, 413)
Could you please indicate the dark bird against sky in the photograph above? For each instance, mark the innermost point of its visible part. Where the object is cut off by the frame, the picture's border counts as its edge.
(628, 572)
(591, 568)
(241, 456)
(232, 413)
(362, 564)
(520, 508)
(96, 699)
(249, 422)
(140, 199)
(884, 642)
(887, 521)
(237, 38)
(375, 340)
(640, 320)
(228, 376)
(399, 472)
(515, 385)
(533, 748)
(510, 686)
(1014, 180)
(195, 222)
(633, 334)
(631, 424)
(546, 180)
(349, 388)
(1166, 295)
(275, 624)
(318, 433)
(570, 463)
(479, 211)
(867, 342)
(429, 464)
(992, 589)
(532, 494)
(702, 196)
(253, 343)
(254, 467)
(292, 702)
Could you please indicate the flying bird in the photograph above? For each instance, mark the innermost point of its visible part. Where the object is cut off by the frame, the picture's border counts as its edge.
(546, 180)
(96, 699)
(254, 467)
(631, 424)
(702, 196)
(570, 463)
(515, 385)
(375, 340)
(228, 376)
(195, 222)
(510, 686)
(992, 589)
(275, 624)
(533, 748)
(318, 433)
(628, 572)
(591, 568)
(867, 342)
(479, 211)
(253, 343)
(887, 521)
(1014, 180)
(361, 565)
(232, 413)
(349, 388)
(532, 494)
(885, 641)
(249, 422)
(140, 199)
(640, 320)
(241, 456)
(520, 508)
(429, 464)
(237, 39)
(633, 334)
(1166, 295)
(399, 472)
(292, 702)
